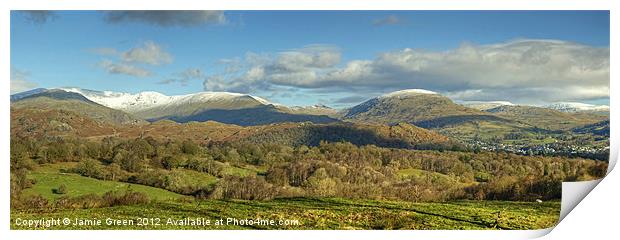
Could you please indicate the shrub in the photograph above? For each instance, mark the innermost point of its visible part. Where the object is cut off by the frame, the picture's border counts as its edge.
(90, 168)
(128, 198)
(109, 199)
(32, 202)
(320, 184)
(62, 189)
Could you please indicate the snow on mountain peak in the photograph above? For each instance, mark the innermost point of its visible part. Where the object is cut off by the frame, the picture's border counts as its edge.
(576, 107)
(408, 92)
(149, 99)
(486, 105)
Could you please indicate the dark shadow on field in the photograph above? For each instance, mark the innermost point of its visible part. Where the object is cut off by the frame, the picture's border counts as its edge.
(261, 115)
(441, 122)
(313, 135)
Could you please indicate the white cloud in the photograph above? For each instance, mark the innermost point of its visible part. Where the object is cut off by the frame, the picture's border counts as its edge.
(148, 53)
(123, 68)
(167, 18)
(388, 20)
(20, 82)
(520, 71)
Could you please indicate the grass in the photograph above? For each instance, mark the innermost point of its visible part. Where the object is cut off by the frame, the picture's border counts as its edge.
(228, 169)
(241, 171)
(50, 176)
(190, 178)
(321, 213)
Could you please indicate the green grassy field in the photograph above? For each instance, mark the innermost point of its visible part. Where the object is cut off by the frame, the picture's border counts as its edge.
(324, 213)
(238, 171)
(418, 173)
(190, 178)
(51, 176)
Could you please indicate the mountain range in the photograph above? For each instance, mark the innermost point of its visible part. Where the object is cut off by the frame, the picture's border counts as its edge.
(417, 107)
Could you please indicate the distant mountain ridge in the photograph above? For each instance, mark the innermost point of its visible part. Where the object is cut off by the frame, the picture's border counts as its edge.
(577, 107)
(318, 109)
(143, 101)
(231, 108)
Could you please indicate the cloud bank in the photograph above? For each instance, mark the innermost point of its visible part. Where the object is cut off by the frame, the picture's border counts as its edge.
(166, 18)
(39, 16)
(524, 71)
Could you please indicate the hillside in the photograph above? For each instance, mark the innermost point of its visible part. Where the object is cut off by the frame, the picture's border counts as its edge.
(407, 106)
(68, 101)
(43, 123)
(402, 135)
(39, 123)
(597, 129)
(546, 118)
(433, 111)
(48, 177)
(259, 115)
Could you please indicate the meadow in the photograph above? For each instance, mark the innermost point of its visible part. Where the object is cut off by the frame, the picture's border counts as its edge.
(49, 177)
(318, 213)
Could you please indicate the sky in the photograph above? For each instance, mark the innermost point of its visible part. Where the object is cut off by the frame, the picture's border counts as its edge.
(336, 58)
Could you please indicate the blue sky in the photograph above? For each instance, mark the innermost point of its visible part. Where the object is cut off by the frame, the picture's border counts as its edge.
(337, 58)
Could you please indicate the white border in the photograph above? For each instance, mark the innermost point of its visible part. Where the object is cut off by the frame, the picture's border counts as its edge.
(281, 5)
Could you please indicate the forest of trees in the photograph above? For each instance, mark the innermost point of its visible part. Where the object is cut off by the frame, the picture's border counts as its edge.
(337, 169)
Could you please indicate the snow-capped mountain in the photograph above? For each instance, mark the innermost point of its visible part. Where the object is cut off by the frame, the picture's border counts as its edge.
(407, 92)
(318, 109)
(143, 101)
(577, 107)
(411, 105)
(486, 105)
(313, 107)
(225, 107)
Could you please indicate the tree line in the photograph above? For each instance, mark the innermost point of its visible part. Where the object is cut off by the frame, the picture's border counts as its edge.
(330, 169)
